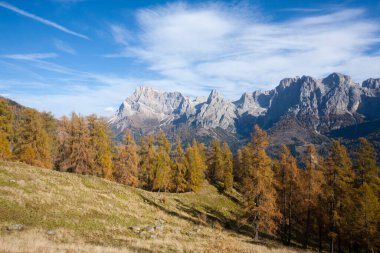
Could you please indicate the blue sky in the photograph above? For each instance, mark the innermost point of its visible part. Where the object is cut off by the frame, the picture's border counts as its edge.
(89, 55)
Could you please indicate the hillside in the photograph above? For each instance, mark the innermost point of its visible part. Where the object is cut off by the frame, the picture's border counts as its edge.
(64, 212)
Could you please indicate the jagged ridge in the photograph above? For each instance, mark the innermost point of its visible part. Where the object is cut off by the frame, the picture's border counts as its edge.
(322, 105)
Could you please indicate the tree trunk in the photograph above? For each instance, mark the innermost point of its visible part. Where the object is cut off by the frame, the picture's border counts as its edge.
(307, 228)
(290, 215)
(339, 243)
(256, 234)
(320, 238)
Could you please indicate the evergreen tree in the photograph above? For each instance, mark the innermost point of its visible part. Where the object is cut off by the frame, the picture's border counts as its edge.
(32, 143)
(228, 177)
(179, 168)
(6, 118)
(100, 147)
(162, 178)
(127, 162)
(258, 185)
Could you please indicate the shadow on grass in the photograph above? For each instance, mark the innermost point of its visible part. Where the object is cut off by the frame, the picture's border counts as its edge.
(168, 211)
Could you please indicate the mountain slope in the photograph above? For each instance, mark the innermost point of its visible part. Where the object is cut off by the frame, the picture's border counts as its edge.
(65, 212)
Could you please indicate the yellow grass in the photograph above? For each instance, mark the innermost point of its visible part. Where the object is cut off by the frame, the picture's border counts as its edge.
(89, 214)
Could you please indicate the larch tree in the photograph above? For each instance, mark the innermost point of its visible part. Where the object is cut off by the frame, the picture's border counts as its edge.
(228, 174)
(238, 168)
(365, 165)
(312, 181)
(32, 143)
(258, 185)
(368, 190)
(101, 148)
(50, 126)
(162, 178)
(196, 166)
(127, 162)
(216, 170)
(80, 157)
(6, 118)
(148, 162)
(288, 183)
(339, 178)
(179, 168)
(63, 139)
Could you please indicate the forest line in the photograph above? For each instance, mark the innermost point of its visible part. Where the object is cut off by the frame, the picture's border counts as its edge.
(331, 203)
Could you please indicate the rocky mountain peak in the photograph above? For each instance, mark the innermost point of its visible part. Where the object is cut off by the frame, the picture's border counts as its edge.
(337, 80)
(320, 105)
(286, 82)
(371, 83)
(144, 91)
(214, 96)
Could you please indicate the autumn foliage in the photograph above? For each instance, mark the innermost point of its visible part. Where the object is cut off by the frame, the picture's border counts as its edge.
(329, 202)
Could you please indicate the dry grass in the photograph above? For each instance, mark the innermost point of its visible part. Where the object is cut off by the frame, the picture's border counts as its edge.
(94, 215)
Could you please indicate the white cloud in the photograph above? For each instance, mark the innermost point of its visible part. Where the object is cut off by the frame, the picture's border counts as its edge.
(120, 34)
(219, 47)
(41, 20)
(29, 57)
(64, 47)
(109, 109)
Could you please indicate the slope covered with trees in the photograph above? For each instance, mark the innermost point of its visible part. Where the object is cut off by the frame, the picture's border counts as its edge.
(327, 202)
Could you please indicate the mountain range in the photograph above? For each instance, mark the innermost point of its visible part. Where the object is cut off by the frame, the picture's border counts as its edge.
(298, 111)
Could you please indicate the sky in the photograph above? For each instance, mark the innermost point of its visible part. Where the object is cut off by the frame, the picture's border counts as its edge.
(87, 56)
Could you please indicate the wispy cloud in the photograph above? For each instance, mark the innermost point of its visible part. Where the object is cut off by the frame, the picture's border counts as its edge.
(110, 109)
(301, 9)
(120, 34)
(64, 47)
(208, 46)
(29, 57)
(41, 20)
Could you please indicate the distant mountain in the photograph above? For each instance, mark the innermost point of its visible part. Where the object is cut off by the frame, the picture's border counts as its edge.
(298, 111)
